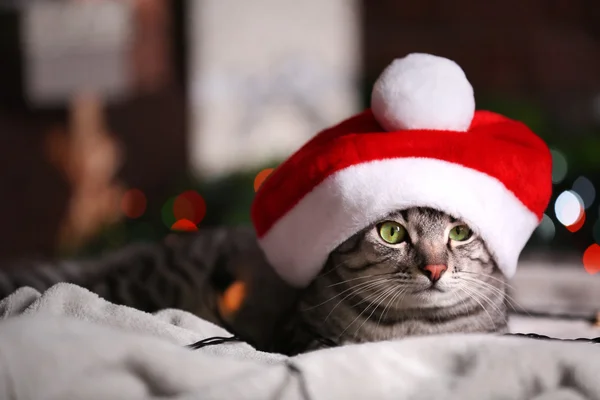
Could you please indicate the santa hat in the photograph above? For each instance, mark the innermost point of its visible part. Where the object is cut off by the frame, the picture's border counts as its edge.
(421, 144)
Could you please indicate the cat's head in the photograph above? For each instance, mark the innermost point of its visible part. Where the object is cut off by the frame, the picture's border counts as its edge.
(425, 257)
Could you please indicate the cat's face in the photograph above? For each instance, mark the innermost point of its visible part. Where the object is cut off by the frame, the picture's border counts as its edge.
(431, 258)
(417, 271)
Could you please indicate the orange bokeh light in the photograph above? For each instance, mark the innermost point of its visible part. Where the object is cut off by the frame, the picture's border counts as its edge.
(189, 205)
(591, 259)
(233, 298)
(133, 203)
(577, 225)
(184, 225)
(261, 176)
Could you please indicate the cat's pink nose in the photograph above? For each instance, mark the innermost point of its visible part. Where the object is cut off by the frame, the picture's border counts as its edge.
(435, 272)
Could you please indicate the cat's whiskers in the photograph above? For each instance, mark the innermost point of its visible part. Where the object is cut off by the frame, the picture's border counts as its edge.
(462, 299)
(373, 303)
(453, 290)
(502, 281)
(403, 288)
(355, 292)
(361, 285)
(392, 301)
(466, 305)
(377, 290)
(474, 296)
(486, 298)
(390, 293)
(365, 299)
(511, 300)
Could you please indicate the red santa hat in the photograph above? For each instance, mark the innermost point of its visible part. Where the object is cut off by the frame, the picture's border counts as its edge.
(421, 144)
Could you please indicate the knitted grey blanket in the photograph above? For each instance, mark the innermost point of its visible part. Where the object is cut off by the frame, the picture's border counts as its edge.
(69, 344)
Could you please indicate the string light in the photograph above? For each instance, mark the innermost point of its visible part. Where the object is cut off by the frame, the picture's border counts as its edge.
(591, 259)
(569, 208)
(184, 225)
(546, 230)
(167, 213)
(261, 177)
(559, 166)
(578, 224)
(189, 205)
(586, 191)
(133, 203)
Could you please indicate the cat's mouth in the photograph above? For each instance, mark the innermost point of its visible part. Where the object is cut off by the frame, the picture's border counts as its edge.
(430, 287)
(434, 287)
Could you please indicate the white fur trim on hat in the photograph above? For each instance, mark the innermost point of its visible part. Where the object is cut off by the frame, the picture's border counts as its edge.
(349, 200)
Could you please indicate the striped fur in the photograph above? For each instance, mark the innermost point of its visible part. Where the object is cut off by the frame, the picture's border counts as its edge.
(184, 271)
(371, 291)
(367, 291)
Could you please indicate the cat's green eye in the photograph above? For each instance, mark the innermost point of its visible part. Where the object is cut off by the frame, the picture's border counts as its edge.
(392, 232)
(460, 233)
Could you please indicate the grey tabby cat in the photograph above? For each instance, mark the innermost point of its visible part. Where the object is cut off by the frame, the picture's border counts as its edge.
(417, 272)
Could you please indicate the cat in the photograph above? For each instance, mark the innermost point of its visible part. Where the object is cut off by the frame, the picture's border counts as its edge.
(417, 271)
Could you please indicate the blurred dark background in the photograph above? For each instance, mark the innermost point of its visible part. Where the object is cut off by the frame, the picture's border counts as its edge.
(121, 121)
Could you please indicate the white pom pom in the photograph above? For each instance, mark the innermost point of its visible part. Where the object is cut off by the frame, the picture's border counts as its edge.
(422, 91)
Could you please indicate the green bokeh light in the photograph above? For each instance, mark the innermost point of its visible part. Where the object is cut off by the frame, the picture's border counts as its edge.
(168, 216)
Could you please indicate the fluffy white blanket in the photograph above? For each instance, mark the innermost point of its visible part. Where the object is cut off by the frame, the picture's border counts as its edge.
(68, 343)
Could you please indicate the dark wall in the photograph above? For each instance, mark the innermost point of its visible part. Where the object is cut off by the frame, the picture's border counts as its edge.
(151, 124)
(524, 47)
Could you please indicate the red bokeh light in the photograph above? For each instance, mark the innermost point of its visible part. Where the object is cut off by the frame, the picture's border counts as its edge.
(591, 259)
(577, 225)
(184, 225)
(261, 176)
(133, 203)
(190, 206)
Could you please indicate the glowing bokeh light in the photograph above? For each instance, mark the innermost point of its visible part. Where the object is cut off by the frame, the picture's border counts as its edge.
(591, 259)
(559, 166)
(578, 224)
(568, 208)
(133, 203)
(233, 298)
(546, 229)
(189, 205)
(167, 213)
(184, 225)
(261, 177)
(586, 190)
